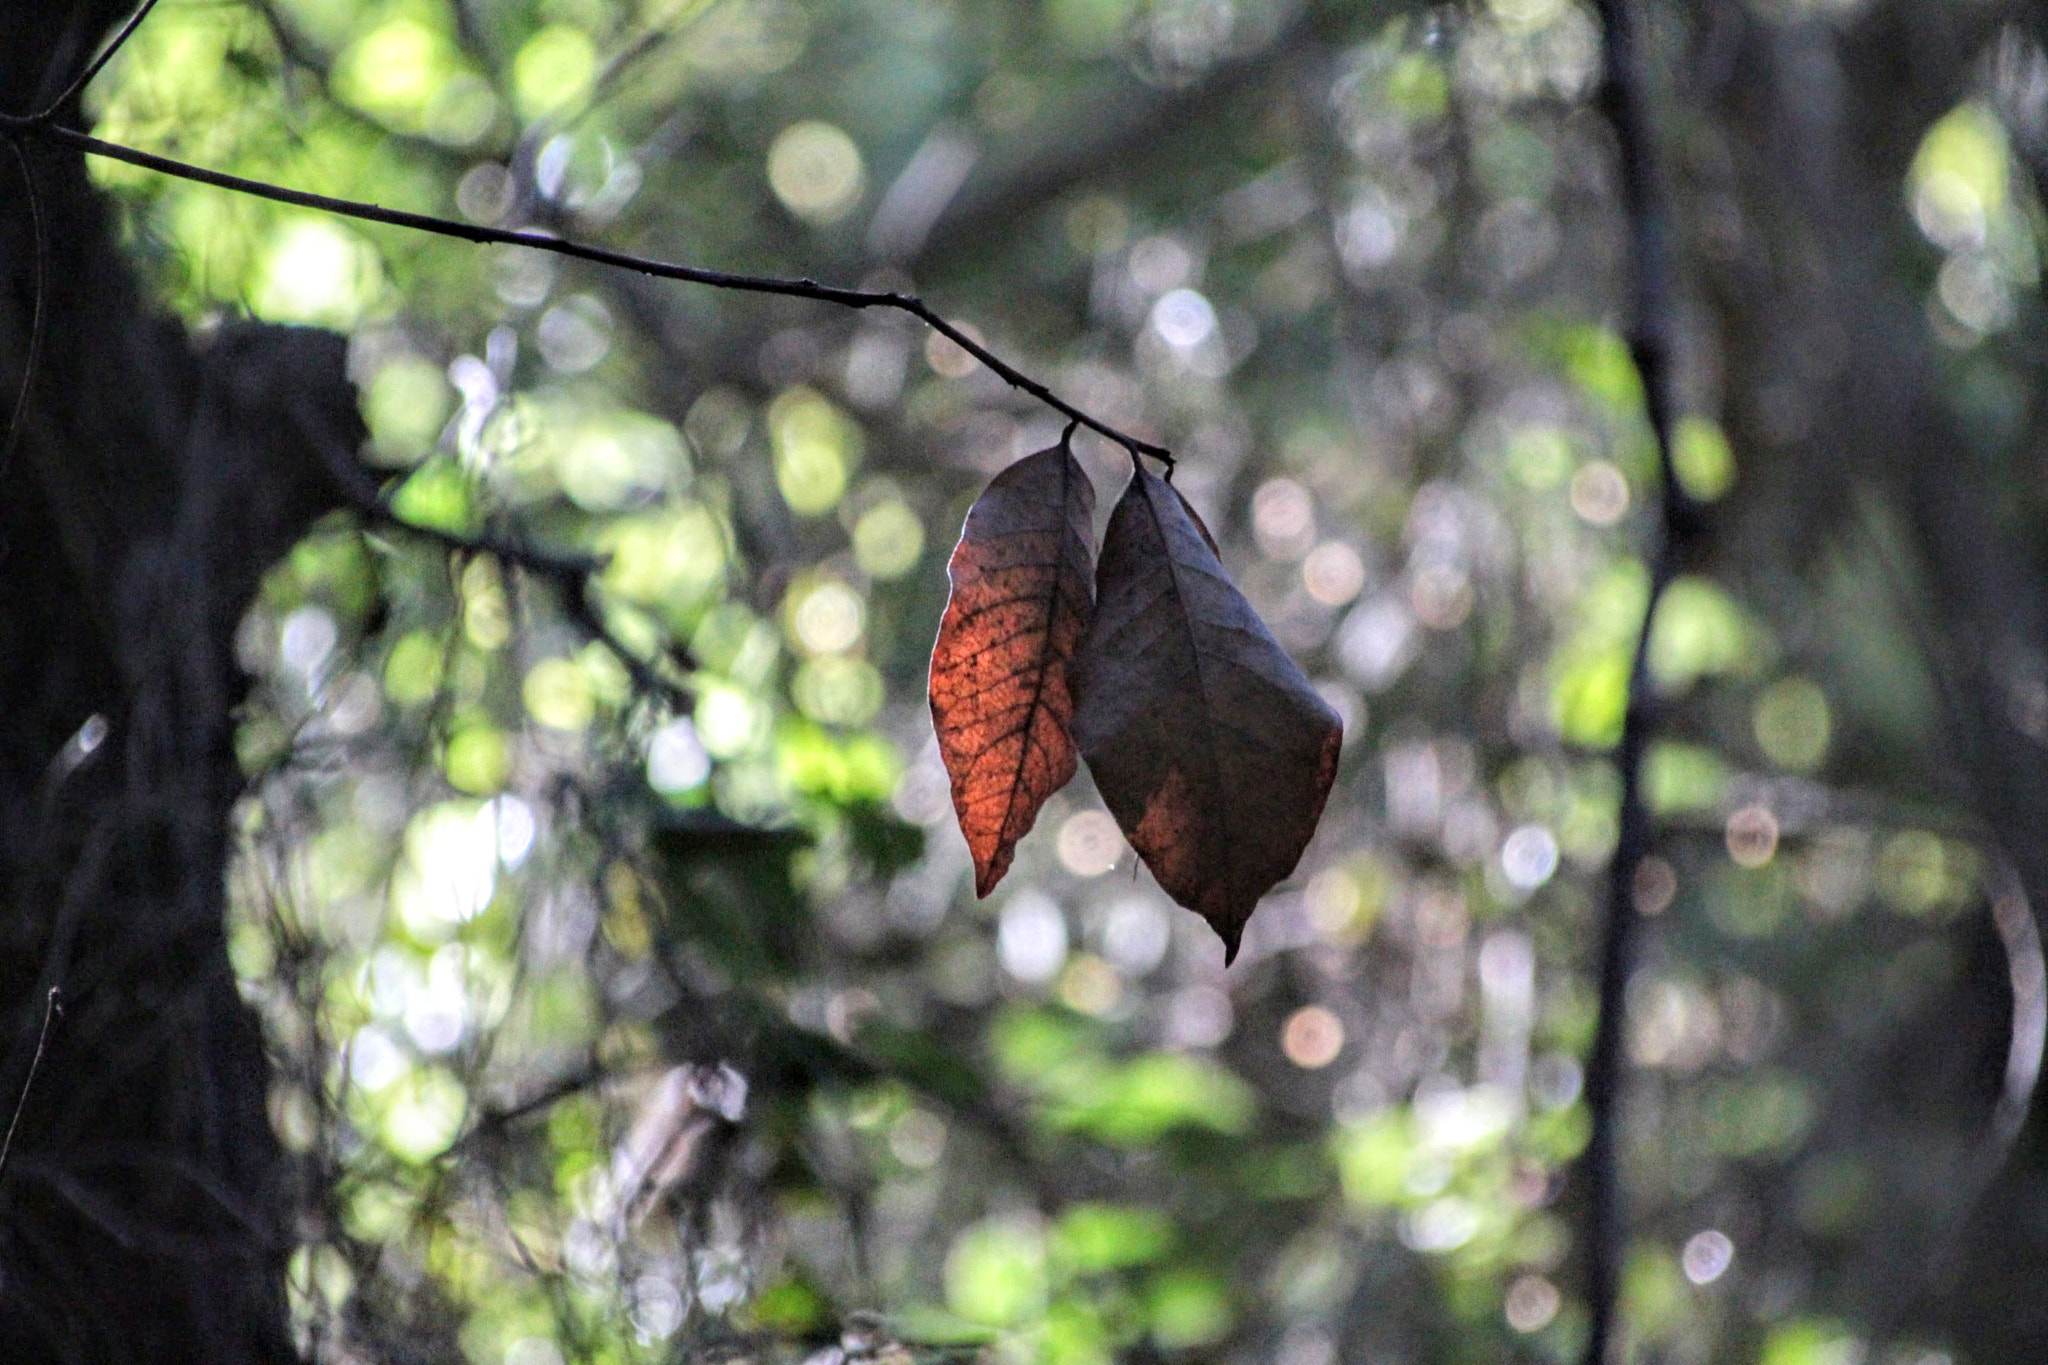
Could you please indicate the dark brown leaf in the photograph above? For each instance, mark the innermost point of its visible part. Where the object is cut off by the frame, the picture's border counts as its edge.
(1002, 703)
(1211, 749)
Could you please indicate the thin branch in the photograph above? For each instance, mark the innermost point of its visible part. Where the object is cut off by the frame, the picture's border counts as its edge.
(2027, 973)
(564, 567)
(40, 126)
(493, 1123)
(51, 1008)
(84, 78)
(574, 574)
(35, 323)
(362, 492)
(1627, 109)
(590, 612)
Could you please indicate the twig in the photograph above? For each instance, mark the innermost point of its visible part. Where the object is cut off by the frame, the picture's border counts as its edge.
(493, 1123)
(35, 324)
(573, 573)
(561, 565)
(1627, 110)
(362, 492)
(51, 1009)
(98, 64)
(40, 126)
(2013, 918)
(590, 612)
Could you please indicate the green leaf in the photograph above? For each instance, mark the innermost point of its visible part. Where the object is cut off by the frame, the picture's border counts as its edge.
(1089, 1239)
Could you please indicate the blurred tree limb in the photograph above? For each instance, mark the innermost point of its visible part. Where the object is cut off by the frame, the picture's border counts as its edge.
(1651, 291)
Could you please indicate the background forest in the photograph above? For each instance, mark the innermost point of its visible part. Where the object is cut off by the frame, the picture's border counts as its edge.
(464, 751)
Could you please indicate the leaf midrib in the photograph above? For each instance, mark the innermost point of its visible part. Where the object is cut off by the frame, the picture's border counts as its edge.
(1052, 608)
(1215, 775)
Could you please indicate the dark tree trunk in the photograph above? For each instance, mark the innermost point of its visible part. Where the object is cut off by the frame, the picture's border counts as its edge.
(141, 1215)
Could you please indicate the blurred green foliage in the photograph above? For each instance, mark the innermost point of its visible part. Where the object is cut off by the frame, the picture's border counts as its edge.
(624, 1026)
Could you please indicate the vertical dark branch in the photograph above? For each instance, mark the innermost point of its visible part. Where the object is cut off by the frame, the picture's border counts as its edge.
(1625, 102)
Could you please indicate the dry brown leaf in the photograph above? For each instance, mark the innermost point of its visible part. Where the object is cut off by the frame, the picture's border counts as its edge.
(1211, 749)
(1001, 699)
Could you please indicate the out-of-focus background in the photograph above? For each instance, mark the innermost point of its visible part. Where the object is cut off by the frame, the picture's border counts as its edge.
(623, 995)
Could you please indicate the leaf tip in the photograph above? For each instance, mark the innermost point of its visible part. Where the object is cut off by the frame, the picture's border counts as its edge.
(1232, 940)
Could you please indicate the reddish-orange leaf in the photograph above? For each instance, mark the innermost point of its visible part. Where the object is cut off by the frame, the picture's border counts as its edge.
(1211, 749)
(1001, 699)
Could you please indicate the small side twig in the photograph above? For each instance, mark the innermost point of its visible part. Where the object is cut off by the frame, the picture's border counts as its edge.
(1942, 1253)
(52, 1007)
(35, 324)
(572, 573)
(99, 63)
